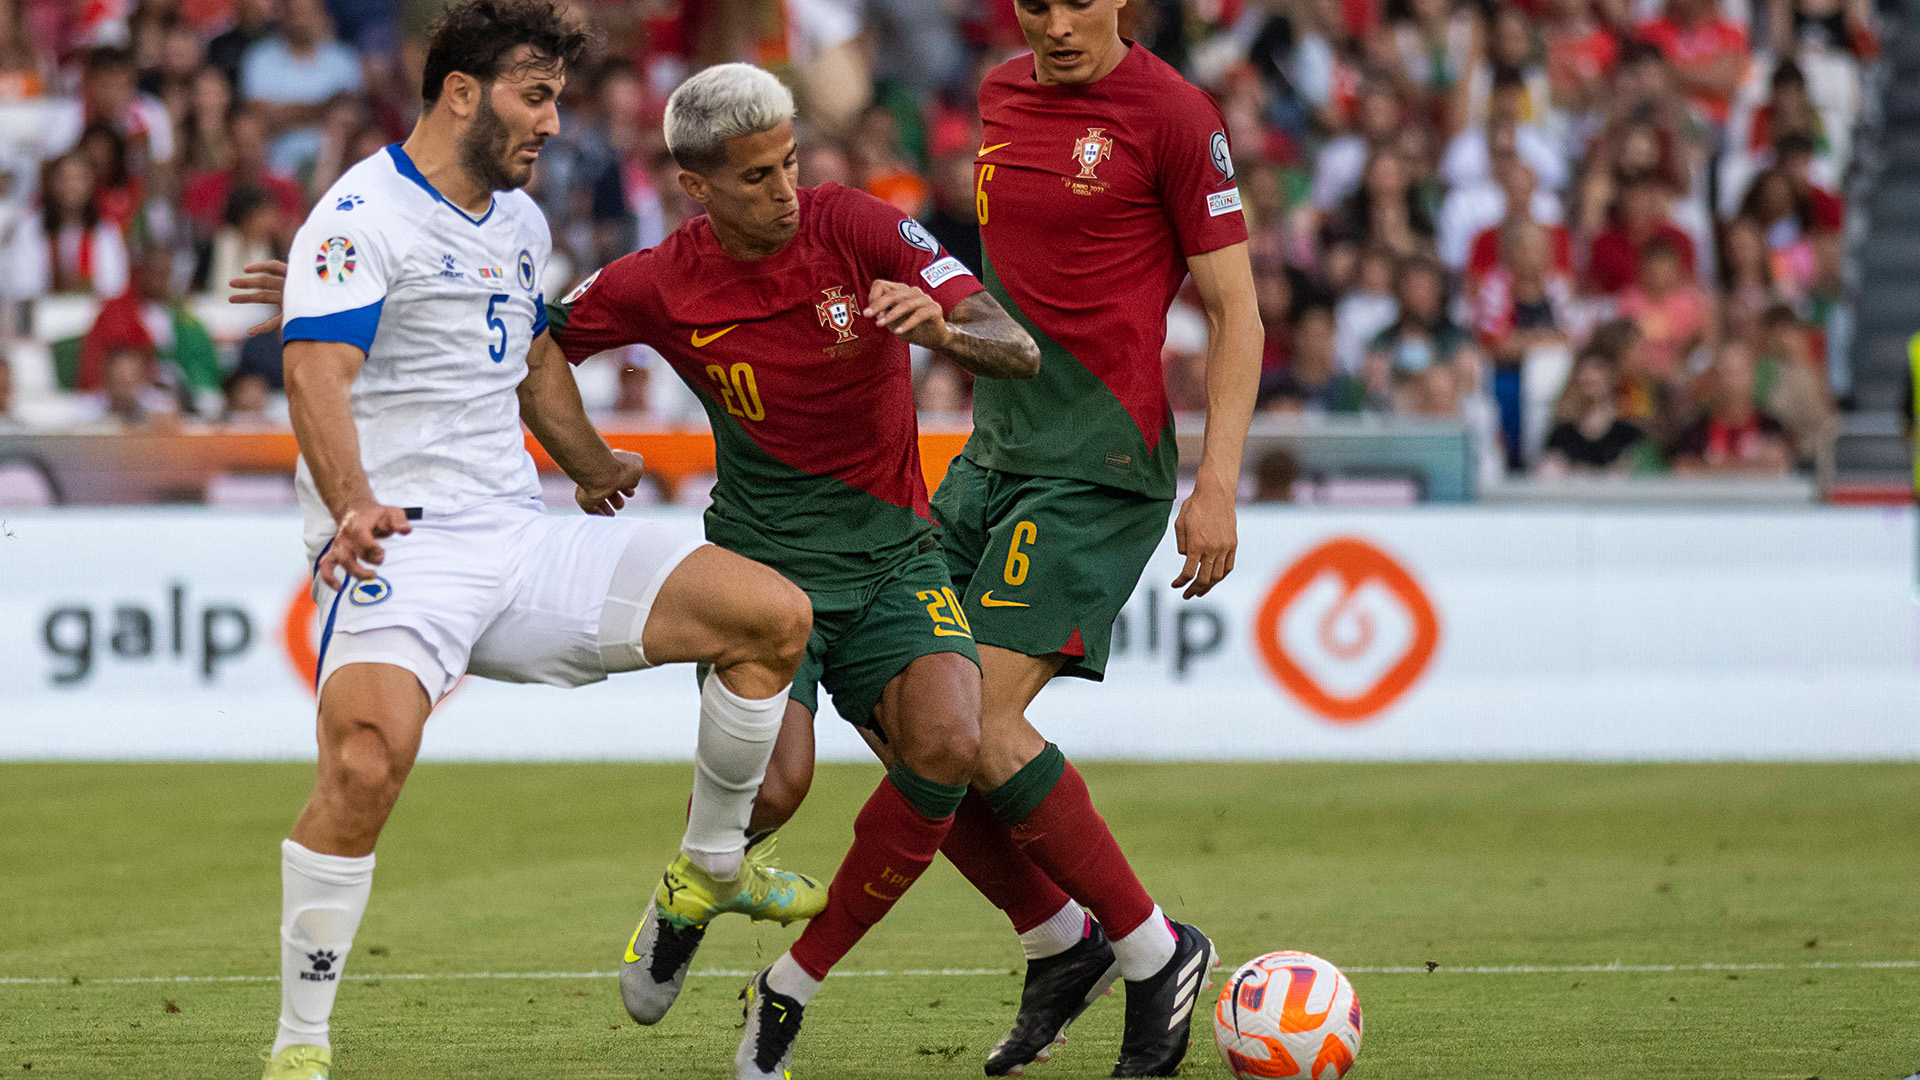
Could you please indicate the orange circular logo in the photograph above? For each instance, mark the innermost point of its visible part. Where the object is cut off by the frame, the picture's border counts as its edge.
(296, 634)
(1347, 630)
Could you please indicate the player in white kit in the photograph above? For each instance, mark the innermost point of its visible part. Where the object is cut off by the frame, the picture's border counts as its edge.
(415, 291)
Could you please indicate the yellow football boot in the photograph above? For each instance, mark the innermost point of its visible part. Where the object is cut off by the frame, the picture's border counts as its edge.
(300, 1062)
(655, 964)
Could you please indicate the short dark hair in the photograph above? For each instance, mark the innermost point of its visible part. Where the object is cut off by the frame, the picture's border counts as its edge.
(474, 37)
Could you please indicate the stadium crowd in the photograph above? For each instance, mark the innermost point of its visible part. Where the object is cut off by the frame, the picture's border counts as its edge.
(1605, 234)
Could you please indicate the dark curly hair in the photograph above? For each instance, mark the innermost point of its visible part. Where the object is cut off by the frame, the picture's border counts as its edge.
(474, 37)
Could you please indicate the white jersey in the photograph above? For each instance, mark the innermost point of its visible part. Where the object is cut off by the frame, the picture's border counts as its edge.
(445, 305)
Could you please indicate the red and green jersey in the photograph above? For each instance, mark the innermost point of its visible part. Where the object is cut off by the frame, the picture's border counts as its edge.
(1091, 198)
(811, 403)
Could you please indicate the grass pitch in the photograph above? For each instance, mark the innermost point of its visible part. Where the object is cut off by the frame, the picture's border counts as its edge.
(151, 871)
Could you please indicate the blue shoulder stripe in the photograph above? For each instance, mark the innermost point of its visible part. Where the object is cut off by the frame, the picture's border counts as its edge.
(539, 314)
(354, 327)
(405, 167)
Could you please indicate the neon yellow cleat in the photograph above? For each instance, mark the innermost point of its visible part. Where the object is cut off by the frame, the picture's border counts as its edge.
(688, 896)
(300, 1062)
(657, 958)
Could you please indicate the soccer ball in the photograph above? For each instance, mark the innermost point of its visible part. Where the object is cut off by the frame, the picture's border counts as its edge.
(1288, 1014)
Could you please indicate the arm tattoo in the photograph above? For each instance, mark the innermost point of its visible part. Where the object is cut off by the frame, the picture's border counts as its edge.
(987, 342)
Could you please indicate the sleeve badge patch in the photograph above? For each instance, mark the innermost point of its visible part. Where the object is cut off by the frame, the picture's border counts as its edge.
(336, 261)
(1222, 156)
(580, 290)
(916, 234)
(942, 271)
(525, 269)
(1223, 202)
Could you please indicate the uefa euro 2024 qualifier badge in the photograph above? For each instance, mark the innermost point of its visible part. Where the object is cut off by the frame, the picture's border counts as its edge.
(336, 260)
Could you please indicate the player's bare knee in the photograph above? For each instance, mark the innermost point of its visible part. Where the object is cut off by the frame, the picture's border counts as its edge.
(946, 752)
(367, 768)
(781, 632)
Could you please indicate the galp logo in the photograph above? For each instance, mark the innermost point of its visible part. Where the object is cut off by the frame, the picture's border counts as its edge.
(1347, 630)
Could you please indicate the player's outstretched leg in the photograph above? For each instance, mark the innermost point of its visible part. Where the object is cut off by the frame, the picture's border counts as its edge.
(1070, 963)
(751, 626)
(371, 716)
(930, 715)
(1032, 787)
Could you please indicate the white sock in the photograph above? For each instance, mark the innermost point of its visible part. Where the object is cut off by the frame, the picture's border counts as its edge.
(1056, 935)
(729, 761)
(1146, 949)
(321, 900)
(786, 976)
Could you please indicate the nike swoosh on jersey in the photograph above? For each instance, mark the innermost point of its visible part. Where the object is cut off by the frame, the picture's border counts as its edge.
(987, 600)
(985, 150)
(702, 342)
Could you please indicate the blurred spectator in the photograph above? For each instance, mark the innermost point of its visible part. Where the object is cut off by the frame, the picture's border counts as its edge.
(254, 20)
(1674, 315)
(111, 96)
(1343, 160)
(1644, 215)
(1589, 435)
(1732, 434)
(130, 395)
(1788, 383)
(75, 249)
(1746, 279)
(1312, 383)
(1581, 55)
(149, 319)
(254, 232)
(1366, 310)
(22, 75)
(1787, 218)
(1472, 213)
(248, 403)
(204, 198)
(1708, 52)
(878, 164)
(260, 355)
(1517, 309)
(203, 127)
(1422, 336)
(294, 73)
(1435, 44)
(1274, 476)
(1387, 212)
(1469, 157)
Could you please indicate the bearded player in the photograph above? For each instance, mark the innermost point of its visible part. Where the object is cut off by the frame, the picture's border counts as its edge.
(1103, 181)
(788, 310)
(407, 369)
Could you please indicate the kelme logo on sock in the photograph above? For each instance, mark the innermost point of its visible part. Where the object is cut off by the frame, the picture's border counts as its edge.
(323, 962)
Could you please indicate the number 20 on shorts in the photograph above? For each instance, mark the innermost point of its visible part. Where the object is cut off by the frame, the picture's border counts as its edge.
(944, 609)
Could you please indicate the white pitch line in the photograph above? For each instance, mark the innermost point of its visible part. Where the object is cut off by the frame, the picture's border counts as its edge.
(725, 973)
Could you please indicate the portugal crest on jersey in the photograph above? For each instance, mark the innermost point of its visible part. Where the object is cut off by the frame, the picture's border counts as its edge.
(836, 311)
(1090, 150)
(336, 260)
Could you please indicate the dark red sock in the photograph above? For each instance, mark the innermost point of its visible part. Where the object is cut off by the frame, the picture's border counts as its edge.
(893, 844)
(981, 847)
(1070, 842)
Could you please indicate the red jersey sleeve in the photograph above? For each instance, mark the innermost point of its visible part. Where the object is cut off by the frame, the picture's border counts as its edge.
(606, 311)
(1195, 167)
(894, 247)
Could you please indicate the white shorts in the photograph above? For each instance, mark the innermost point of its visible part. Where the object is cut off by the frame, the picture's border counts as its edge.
(507, 592)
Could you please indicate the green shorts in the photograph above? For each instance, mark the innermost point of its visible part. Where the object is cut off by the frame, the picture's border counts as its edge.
(865, 636)
(1044, 564)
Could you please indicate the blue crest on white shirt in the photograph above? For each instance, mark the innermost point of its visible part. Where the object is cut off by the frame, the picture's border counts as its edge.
(526, 270)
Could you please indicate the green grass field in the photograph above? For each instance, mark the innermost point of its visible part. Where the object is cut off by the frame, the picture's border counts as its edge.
(143, 871)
